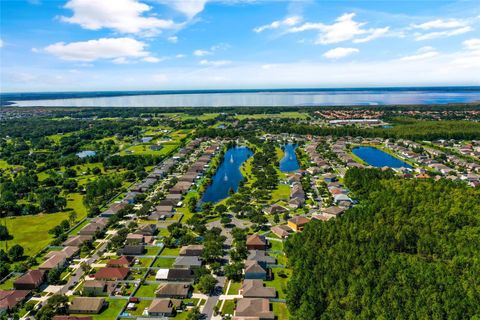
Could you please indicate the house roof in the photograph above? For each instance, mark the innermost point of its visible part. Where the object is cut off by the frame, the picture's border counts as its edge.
(53, 262)
(254, 307)
(193, 247)
(94, 284)
(260, 255)
(10, 298)
(86, 304)
(122, 261)
(334, 210)
(77, 240)
(255, 239)
(299, 220)
(281, 230)
(112, 273)
(255, 289)
(252, 266)
(191, 261)
(67, 252)
(31, 277)
(173, 289)
(163, 305)
(71, 318)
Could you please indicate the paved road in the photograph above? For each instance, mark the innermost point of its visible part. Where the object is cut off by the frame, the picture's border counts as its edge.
(213, 298)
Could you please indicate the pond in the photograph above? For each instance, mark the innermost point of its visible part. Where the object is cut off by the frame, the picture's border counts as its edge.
(86, 153)
(378, 158)
(228, 175)
(289, 162)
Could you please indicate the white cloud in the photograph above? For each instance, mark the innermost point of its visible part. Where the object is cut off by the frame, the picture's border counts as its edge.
(201, 53)
(180, 55)
(173, 39)
(214, 63)
(345, 28)
(442, 34)
(1, 43)
(340, 52)
(160, 78)
(470, 58)
(125, 16)
(115, 49)
(440, 24)
(472, 44)
(189, 8)
(152, 59)
(287, 22)
(422, 54)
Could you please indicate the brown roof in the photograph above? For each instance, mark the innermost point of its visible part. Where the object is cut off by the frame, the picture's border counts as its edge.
(334, 210)
(255, 289)
(299, 220)
(254, 307)
(193, 248)
(77, 241)
(281, 230)
(94, 284)
(33, 277)
(122, 261)
(10, 298)
(163, 305)
(71, 318)
(86, 304)
(255, 239)
(67, 252)
(252, 266)
(53, 262)
(112, 273)
(173, 290)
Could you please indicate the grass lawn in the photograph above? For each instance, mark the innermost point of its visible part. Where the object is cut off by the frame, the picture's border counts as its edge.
(280, 310)
(144, 262)
(152, 251)
(228, 307)
(8, 284)
(146, 291)
(276, 245)
(163, 232)
(279, 283)
(75, 202)
(234, 287)
(170, 252)
(115, 306)
(164, 262)
(294, 115)
(281, 193)
(31, 232)
(140, 307)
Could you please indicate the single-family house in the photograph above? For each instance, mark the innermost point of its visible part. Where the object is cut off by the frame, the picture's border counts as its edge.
(256, 242)
(83, 305)
(164, 307)
(30, 280)
(173, 290)
(298, 223)
(191, 250)
(253, 308)
(253, 270)
(252, 288)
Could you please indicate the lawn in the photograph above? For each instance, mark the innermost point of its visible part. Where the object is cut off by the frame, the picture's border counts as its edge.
(170, 252)
(144, 262)
(234, 287)
(140, 307)
(228, 307)
(8, 284)
(151, 251)
(115, 306)
(276, 245)
(31, 232)
(75, 202)
(280, 310)
(279, 283)
(281, 193)
(164, 262)
(146, 291)
(294, 115)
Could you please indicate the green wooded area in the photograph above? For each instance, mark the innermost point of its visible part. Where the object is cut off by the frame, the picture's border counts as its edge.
(410, 250)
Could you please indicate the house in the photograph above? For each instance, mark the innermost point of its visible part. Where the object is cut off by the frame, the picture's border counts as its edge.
(86, 305)
(132, 250)
(147, 229)
(256, 242)
(261, 257)
(281, 231)
(253, 308)
(296, 203)
(191, 250)
(253, 270)
(173, 290)
(298, 223)
(134, 238)
(163, 307)
(76, 241)
(91, 229)
(71, 318)
(255, 289)
(30, 280)
(275, 208)
(122, 262)
(68, 252)
(342, 197)
(56, 261)
(187, 262)
(329, 178)
(10, 299)
(94, 287)
(116, 207)
(175, 274)
(108, 273)
(181, 187)
(333, 211)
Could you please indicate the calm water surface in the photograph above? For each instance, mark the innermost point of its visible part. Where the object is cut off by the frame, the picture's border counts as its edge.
(228, 174)
(377, 158)
(289, 162)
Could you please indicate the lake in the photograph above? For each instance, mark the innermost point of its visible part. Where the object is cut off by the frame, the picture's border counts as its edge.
(289, 162)
(378, 158)
(86, 153)
(251, 98)
(228, 175)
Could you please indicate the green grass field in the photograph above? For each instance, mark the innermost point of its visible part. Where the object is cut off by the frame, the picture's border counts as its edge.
(279, 283)
(146, 291)
(170, 252)
(280, 310)
(234, 287)
(281, 193)
(164, 262)
(281, 115)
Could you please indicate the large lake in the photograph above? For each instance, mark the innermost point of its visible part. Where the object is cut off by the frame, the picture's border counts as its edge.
(226, 98)
(289, 162)
(377, 158)
(228, 175)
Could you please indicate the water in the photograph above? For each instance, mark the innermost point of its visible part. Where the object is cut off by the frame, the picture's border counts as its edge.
(226, 98)
(86, 153)
(289, 162)
(377, 158)
(228, 175)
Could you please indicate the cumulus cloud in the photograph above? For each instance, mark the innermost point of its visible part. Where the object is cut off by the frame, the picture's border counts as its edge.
(211, 50)
(472, 44)
(441, 28)
(214, 63)
(340, 52)
(470, 57)
(117, 50)
(190, 8)
(287, 22)
(1, 43)
(344, 28)
(125, 16)
(422, 54)
(173, 39)
(201, 53)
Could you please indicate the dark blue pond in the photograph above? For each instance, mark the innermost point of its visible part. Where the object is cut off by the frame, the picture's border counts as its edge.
(228, 174)
(377, 158)
(289, 162)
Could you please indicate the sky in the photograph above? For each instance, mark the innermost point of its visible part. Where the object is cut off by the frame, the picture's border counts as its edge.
(76, 45)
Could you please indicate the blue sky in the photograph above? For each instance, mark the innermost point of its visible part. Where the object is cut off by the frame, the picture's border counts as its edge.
(49, 45)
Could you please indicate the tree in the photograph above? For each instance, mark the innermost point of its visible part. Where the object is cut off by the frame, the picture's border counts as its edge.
(276, 218)
(234, 271)
(57, 304)
(16, 253)
(53, 275)
(4, 234)
(194, 314)
(207, 283)
(72, 217)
